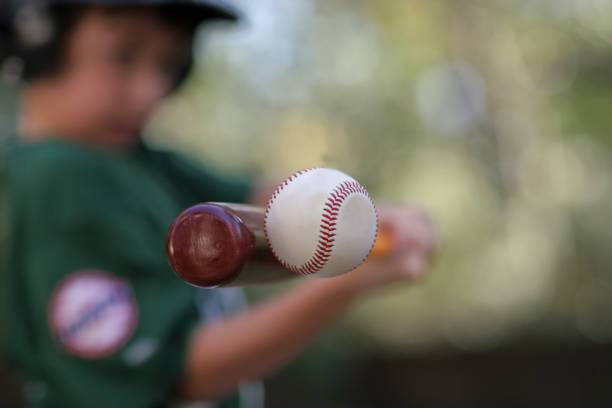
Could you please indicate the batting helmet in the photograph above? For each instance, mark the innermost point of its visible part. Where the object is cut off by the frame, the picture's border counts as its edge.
(33, 31)
(205, 9)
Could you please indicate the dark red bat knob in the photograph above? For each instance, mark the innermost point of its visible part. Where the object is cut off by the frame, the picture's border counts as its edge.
(207, 245)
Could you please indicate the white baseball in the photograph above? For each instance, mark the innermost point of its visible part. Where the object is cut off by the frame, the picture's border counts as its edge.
(321, 222)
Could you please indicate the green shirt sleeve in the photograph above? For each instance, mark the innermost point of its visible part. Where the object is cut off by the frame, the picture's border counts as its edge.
(201, 183)
(109, 320)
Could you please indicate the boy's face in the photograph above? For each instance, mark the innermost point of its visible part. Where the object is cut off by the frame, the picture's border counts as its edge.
(119, 66)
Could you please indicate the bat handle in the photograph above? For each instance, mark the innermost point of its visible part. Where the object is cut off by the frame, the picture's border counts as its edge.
(385, 242)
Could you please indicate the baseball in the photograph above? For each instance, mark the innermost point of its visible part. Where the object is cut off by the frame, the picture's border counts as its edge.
(320, 222)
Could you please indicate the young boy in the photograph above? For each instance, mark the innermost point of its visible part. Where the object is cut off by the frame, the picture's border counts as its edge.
(94, 316)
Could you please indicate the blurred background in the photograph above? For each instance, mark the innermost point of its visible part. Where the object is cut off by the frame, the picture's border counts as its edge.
(495, 116)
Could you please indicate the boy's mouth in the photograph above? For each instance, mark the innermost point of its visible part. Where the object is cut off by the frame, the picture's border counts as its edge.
(129, 125)
(126, 130)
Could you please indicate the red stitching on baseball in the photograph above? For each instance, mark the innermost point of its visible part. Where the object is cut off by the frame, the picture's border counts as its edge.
(329, 218)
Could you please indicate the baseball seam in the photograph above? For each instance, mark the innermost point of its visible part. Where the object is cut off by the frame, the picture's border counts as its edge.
(327, 227)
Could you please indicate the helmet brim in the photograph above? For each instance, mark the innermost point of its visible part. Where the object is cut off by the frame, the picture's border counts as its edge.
(198, 9)
(208, 10)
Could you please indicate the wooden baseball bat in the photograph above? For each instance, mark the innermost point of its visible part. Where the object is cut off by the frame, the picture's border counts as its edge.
(223, 244)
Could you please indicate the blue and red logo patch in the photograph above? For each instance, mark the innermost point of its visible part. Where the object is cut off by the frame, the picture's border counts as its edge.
(92, 313)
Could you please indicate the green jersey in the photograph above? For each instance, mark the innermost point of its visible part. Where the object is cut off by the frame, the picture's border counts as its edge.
(93, 314)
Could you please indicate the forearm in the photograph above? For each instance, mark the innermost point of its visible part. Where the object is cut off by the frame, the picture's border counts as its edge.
(254, 344)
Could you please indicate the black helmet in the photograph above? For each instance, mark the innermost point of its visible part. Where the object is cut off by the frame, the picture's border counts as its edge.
(36, 57)
(204, 9)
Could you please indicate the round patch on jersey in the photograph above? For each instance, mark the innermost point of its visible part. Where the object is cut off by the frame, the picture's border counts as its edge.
(92, 313)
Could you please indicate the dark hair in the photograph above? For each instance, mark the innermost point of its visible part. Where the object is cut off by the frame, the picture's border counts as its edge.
(43, 57)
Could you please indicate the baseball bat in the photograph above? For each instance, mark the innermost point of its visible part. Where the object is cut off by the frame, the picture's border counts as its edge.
(223, 244)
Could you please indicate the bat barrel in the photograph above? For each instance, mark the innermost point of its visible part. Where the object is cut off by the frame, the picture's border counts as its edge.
(207, 245)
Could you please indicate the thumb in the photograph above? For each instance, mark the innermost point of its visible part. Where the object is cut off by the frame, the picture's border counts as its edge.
(413, 265)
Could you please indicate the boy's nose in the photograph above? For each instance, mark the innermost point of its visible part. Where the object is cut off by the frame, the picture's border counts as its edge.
(147, 89)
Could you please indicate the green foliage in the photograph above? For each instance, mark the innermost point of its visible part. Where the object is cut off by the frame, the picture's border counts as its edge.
(492, 115)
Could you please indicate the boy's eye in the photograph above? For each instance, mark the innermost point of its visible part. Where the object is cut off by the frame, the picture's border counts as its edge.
(124, 57)
(170, 65)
